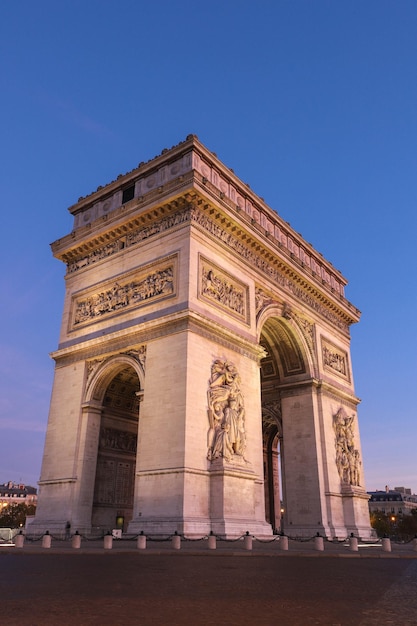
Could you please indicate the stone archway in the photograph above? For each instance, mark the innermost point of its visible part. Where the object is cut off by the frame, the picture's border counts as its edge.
(109, 441)
(285, 366)
(116, 454)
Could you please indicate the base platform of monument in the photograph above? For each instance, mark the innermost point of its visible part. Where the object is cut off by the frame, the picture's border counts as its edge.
(227, 529)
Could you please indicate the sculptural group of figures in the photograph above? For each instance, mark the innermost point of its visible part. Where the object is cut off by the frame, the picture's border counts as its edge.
(120, 296)
(222, 291)
(226, 412)
(347, 456)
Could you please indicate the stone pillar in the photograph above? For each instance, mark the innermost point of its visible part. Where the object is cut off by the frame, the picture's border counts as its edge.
(176, 541)
(283, 543)
(141, 543)
(247, 541)
(19, 540)
(386, 544)
(319, 543)
(353, 543)
(108, 542)
(212, 542)
(76, 540)
(46, 540)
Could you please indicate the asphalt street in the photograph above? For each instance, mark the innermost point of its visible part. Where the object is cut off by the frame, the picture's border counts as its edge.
(126, 588)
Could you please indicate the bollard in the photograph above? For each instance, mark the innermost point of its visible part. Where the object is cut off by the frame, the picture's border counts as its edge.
(319, 543)
(386, 544)
(176, 541)
(108, 541)
(283, 542)
(415, 544)
(141, 541)
(212, 541)
(46, 540)
(76, 540)
(353, 543)
(247, 542)
(19, 540)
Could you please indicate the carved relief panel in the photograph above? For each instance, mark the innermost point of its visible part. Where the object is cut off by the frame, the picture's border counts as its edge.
(348, 460)
(222, 290)
(335, 360)
(146, 285)
(226, 413)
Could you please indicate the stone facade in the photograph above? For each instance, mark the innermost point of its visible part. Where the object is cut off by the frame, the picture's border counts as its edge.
(203, 378)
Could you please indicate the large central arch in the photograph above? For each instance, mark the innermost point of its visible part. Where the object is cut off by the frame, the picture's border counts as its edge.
(285, 369)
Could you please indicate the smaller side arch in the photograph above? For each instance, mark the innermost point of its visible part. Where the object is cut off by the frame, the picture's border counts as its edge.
(294, 348)
(103, 372)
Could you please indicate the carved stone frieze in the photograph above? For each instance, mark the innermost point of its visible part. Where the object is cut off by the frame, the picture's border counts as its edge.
(119, 440)
(197, 216)
(334, 359)
(274, 271)
(218, 287)
(136, 289)
(130, 239)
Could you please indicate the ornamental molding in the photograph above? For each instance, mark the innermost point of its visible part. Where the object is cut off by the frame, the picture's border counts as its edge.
(114, 344)
(274, 269)
(79, 259)
(261, 258)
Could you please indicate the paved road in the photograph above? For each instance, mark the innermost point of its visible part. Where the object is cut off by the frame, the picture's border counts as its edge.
(127, 588)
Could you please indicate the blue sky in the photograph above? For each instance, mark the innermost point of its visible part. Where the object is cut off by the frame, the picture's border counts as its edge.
(313, 103)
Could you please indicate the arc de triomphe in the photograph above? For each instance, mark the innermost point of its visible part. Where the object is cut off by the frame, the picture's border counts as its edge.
(203, 379)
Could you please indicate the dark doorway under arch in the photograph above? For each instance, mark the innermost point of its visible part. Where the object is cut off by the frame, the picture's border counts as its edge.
(116, 456)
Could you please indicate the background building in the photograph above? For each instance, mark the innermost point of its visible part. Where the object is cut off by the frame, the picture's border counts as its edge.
(397, 501)
(17, 493)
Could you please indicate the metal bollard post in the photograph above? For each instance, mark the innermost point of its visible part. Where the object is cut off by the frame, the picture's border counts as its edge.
(108, 541)
(283, 542)
(46, 540)
(353, 543)
(386, 544)
(76, 540)
(319, 543)
(141, 541)
(212, 541)
(247, 542)
(19, 540)
(176, 541)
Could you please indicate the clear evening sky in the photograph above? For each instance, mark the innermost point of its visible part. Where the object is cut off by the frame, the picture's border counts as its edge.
(311, 102)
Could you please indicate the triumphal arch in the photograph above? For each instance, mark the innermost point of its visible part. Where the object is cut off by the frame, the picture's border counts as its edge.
(203, 379)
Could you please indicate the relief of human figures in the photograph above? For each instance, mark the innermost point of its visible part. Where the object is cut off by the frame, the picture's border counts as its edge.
(226, 413)
(347, 457)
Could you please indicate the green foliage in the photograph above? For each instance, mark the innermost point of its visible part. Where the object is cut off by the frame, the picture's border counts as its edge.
(402, 527)
(14, 515)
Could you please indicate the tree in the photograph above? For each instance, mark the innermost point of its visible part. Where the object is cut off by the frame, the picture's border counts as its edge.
(381, 523)
(14, 515)
(402, 527)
